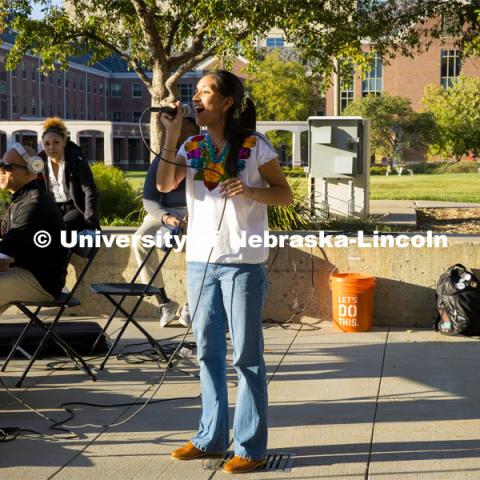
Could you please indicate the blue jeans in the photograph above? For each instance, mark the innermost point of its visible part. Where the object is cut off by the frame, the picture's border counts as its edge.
(232, 293)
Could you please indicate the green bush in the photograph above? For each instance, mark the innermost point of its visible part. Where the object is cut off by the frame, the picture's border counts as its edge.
(4, 201)
(378, 170)
(460, 167)
(296, 216)
(119, 204)
(294, 172)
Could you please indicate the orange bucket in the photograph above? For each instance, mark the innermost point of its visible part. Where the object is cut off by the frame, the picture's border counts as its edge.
(352, 301)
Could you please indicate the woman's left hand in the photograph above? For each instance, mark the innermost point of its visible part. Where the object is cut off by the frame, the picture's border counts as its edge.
(232, 187)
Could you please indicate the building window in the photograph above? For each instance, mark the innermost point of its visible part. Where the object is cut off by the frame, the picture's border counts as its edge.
(24, 107)
(116, 116)
(34, 76)
(373, 83)
(24, 71)
(100, 88)
(74, 84)
(451, 66)
(448, 25)
(14, 104)
(81, 84)
(136, 116)
(59, 81)
(275, 42)
(136, 90)
(42, 107)
(50, 78)
(116, 90)
(51, 110)
(66, 81)
(3, 92)
(34, 109)
(347, 93)
(186, 92)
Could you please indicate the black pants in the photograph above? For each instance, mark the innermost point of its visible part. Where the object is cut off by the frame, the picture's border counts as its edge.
(73, 218)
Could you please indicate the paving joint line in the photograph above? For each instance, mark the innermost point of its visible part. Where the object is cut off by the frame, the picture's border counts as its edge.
(367, 467)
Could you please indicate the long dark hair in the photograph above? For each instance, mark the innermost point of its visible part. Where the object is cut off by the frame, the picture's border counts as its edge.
(241, 117)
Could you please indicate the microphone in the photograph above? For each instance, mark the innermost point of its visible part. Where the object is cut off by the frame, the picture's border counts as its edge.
(186, 110)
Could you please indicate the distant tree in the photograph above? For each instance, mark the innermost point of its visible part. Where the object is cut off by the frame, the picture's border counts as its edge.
(283, 90)
(456, 111)
(394, 125)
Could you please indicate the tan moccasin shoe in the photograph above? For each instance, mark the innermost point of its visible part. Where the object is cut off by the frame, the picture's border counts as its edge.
(242, 465)
(189, 452)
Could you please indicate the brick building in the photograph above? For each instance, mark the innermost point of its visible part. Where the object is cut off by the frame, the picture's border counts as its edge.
(407, 77)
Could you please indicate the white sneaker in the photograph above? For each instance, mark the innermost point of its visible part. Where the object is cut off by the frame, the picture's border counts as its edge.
(168, 313)
(185, 319)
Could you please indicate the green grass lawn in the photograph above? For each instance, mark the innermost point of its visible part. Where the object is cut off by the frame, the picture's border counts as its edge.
(453, 187)
(136, 179)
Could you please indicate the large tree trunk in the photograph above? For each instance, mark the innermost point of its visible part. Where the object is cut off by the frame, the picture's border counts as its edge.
(160, 96)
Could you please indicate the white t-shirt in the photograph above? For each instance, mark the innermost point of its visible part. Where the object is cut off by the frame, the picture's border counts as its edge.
(242, 218)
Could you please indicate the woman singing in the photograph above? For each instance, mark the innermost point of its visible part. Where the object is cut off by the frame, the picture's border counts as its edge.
(234, 174)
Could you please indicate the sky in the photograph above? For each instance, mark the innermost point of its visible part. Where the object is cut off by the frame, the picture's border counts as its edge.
(36, 13)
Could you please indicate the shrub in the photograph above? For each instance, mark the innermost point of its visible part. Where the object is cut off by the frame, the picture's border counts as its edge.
(424, 167)
(294, 172)
(378, 170)
(296, 216)
(118, 201)
(460, 167)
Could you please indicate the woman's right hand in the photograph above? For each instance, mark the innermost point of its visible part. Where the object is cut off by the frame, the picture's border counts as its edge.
(173, 125)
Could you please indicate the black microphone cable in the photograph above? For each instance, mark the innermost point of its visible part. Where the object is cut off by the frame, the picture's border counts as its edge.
(182, 340)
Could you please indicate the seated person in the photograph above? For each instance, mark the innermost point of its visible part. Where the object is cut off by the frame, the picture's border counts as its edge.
(163, 209)
(36, 274)
(68, 177)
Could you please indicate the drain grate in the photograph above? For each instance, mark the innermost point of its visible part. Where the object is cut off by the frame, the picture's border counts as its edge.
(282, 461)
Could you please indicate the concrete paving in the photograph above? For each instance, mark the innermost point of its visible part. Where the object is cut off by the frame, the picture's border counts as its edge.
(387, 404)
(402, 212)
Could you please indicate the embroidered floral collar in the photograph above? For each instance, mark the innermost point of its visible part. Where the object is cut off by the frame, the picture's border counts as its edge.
(211, 169)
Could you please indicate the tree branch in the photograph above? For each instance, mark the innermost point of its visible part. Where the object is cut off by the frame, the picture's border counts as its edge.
(131, 61)
(187, 66)
(171, 35)
(195, 48)
(150, 32)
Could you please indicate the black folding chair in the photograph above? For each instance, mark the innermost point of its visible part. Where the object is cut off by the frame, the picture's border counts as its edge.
(63, 301)
(131, 289)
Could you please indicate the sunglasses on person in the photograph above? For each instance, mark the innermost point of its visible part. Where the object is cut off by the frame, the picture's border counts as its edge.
(8, 167)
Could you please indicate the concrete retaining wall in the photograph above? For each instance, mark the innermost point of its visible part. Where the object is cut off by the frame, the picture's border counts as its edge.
(404, 295)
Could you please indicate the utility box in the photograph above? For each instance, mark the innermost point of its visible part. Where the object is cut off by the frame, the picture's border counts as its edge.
(338, 162)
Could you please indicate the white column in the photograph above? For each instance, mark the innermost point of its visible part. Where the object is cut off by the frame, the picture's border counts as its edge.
(74, 135)
(296, 150)
(108, 145)
(10, 139)
(39, 132)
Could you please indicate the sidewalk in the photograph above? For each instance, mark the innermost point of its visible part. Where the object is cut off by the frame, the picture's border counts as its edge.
(402, 212)
(388, 404)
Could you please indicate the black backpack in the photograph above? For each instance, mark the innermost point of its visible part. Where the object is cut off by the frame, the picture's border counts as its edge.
(458, 302)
